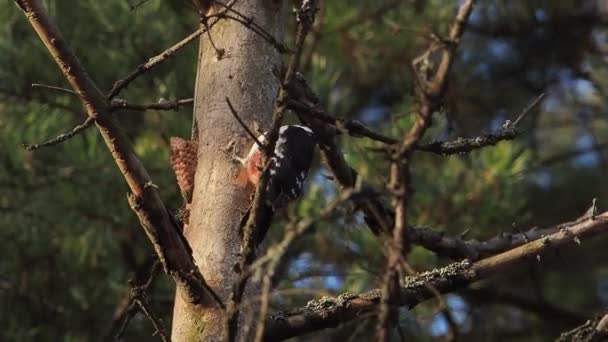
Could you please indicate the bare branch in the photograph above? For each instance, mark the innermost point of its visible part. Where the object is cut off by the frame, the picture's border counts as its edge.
(353, 128)
(508, 131)
(331, 312)
(117, 103)
(249, 23)
(145, 200)
(65, 90)
(429, 95)
(593, 330)
(162, 57)
(130, 308)
(377, 215)
(114, 104)
(62, 137)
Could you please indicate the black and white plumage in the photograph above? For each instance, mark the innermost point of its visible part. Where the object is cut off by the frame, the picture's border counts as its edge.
(288, 169)
(289, 166)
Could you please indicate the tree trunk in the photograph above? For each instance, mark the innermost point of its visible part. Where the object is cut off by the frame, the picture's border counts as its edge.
(243, 72)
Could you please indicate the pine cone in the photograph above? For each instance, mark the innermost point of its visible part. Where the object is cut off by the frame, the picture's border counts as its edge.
(183, 160)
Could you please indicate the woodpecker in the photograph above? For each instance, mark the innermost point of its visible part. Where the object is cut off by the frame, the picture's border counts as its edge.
(289, 166)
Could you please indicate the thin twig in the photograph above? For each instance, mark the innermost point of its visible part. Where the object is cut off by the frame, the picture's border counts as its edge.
(508, 131)
(250, 23)
(65, 90)
(137, 5)
(163, 56)
(219, 53)
(117, 103)
(62, 137)
(528, 108)
(146, 309)
(136, 289)
(236, 116)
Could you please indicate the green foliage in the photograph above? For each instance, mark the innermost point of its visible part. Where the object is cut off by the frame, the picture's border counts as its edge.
(70, 242)
(69, 239)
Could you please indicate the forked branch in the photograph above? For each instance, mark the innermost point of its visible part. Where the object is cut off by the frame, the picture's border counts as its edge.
(158, 223)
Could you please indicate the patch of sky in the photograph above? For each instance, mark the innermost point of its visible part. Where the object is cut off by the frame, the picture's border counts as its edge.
(458, 308)
(321, 180)
(328, 275)
(543, 179)
(589, 158)
(540, 15)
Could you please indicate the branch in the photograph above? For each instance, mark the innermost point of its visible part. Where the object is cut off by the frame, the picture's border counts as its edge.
(457, 248)
(356, 129)
(27, 98)
(114, 104)
(161, 105)
(594, 330)
(259, 213)
(163, 56)
(353, 128)
(138, 292)
(377, 215)
(508, 131)
(65, 90)
(249, 23)
(142, 275)
(62, 137)
(145, 200)
(331, 312)
(429, 94)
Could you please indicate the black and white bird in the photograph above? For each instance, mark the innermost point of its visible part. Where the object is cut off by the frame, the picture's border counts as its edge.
(289, 165)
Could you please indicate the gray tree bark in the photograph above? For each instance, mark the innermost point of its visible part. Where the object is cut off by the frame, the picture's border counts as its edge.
(244, 73)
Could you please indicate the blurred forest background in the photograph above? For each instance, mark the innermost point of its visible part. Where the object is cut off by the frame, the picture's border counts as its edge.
(70, 243)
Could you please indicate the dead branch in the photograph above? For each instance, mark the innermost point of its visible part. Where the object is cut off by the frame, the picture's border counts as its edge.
(145, 200)
(429, 94)
(377, 215)
(330, 312)
(153, 62)
(161, 105)
(62, 137)
(250, 23)
(138, 301)
(114, 104)
(508, 131)
(593, 330)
